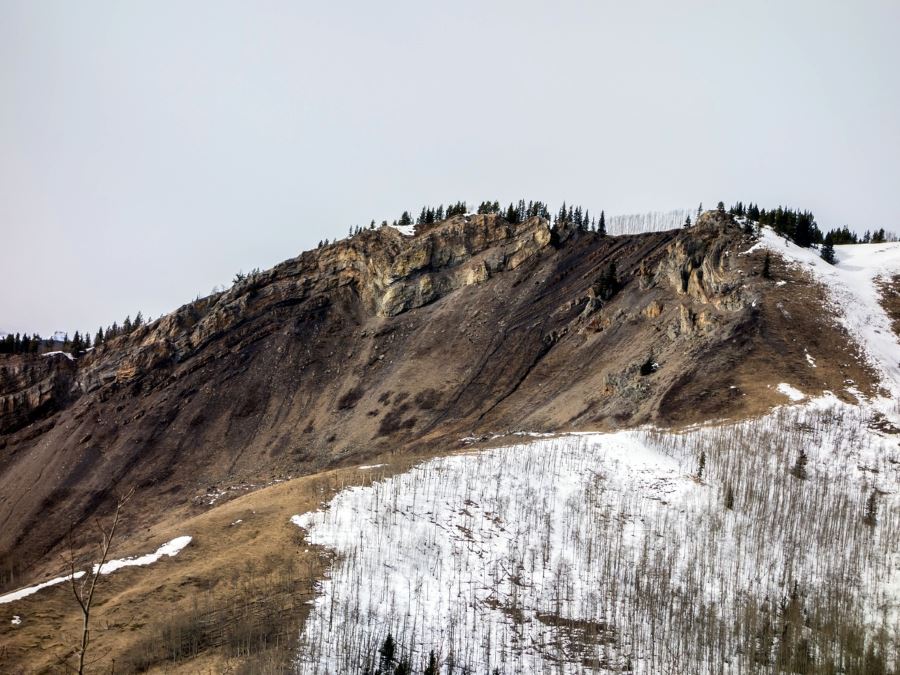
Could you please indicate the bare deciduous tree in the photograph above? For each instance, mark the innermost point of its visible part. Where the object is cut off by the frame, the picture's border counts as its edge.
(84, 584)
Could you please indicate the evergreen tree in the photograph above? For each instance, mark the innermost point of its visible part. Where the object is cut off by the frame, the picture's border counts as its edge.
(562, 215)
(577, 218)
(871, 515)
(806, 232)
(405, 219)
(601, 225)
(799, 468)
(767, 266)
(701, 465)
(700, 209)
(827, 252)
(729, 497)
(432, 668)
(687, 221)
(608, 283)
(388, 648)
(720, 207)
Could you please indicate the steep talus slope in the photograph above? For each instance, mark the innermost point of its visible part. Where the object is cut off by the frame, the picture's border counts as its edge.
(388, 342)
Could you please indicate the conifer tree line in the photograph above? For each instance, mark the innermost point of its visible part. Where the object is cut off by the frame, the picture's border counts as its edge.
(20, 344)
(128, 326)
(798, 226)
(801, 227)
(515, 212)
(23, 344)
(78, 344)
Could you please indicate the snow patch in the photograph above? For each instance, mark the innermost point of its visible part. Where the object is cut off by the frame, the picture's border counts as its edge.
(405, 230)
(791, 392)
(66, 354)
(171, 548)
(16, 620)
(364, 467)
(25, 592)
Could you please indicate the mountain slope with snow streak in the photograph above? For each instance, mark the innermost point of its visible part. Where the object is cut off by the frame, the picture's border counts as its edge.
(852, 285)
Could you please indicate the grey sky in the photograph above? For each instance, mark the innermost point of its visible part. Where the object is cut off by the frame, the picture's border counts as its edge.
(148, 150)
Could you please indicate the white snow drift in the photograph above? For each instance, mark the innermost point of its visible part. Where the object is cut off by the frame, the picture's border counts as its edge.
(170, 549)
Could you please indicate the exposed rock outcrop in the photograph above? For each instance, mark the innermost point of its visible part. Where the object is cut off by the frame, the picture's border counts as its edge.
(33, 386)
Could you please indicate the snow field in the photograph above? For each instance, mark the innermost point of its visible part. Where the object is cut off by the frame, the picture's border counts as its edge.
(591, 553)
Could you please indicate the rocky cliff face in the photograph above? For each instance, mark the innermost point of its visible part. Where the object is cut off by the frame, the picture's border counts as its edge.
(383, 341)
(32, 387)
(387, 273)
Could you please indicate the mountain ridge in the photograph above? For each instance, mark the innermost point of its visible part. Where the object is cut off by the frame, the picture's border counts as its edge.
(391, 342)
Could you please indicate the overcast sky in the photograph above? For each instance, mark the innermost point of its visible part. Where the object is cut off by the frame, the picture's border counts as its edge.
(149, 150)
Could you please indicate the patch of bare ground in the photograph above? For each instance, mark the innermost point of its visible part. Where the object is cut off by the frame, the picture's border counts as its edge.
(232, 601)
(890, 300)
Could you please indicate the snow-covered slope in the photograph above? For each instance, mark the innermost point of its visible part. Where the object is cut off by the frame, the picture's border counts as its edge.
(852, 287)
(590, 553)
(407, 230)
